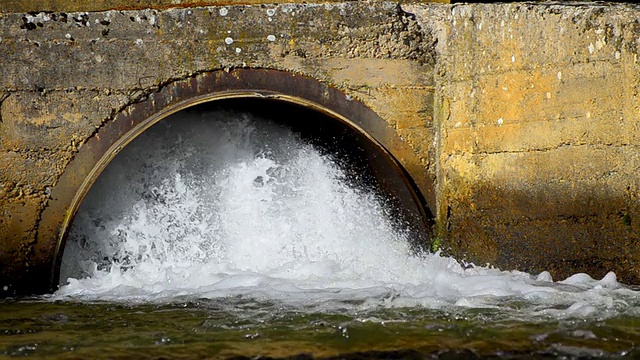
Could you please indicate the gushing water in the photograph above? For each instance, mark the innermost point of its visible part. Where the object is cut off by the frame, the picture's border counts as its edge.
(224, 204)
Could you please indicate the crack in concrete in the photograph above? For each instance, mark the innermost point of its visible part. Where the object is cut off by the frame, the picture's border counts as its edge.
(557, 147)
(3, 97)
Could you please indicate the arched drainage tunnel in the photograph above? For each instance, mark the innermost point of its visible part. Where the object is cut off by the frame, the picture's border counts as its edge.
(248, 167)
(253, 182)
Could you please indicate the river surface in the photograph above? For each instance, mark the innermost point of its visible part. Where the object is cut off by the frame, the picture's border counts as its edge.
(220, 234)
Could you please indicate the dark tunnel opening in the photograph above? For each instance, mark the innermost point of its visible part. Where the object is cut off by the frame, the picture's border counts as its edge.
(365, 164)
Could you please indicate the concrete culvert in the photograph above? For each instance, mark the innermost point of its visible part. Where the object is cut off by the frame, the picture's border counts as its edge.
(241, 180)
(365, 149)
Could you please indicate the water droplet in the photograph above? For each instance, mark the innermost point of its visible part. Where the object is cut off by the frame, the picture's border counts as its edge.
(271, 38)
(223, 12)
(228, 41)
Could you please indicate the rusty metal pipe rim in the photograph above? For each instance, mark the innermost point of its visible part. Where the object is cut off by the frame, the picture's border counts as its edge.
(85, 168)
(143, 126)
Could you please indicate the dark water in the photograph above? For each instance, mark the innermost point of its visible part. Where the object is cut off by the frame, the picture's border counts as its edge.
(229, 328)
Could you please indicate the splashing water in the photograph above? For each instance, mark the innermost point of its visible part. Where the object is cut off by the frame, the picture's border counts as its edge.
(229, 205)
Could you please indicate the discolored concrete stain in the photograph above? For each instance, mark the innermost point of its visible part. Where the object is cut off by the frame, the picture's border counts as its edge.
(518, 122)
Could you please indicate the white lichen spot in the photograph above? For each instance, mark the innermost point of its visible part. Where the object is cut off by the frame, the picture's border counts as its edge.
(271, 12)
(223, 12)
(99, 58)
(238, 50)
(328, 6)
(591, 48)
(348, 97)
(617, 55)
(616, 31)
(500, 121)
(228, 41)
(271, 38)
(139, 42)
(559, 75)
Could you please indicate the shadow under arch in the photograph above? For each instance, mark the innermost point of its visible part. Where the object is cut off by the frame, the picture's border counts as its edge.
(392, 159)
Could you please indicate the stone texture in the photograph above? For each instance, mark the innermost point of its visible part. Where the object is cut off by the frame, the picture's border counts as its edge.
(538, 154)
(102, 5)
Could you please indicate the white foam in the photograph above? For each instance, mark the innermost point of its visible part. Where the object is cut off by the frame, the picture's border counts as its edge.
(230, 205)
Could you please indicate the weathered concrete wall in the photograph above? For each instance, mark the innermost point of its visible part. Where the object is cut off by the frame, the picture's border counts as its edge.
(538, 129)
(104, 5)
(526, 115)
